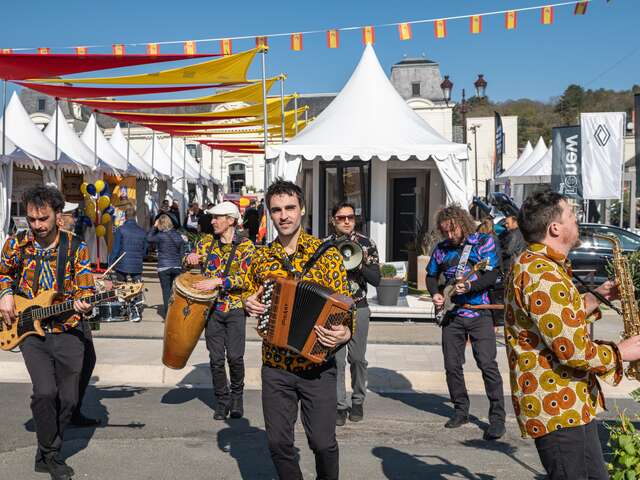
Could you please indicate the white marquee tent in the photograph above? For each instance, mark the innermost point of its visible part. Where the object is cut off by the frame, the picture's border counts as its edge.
(517, 165)
(524, 164)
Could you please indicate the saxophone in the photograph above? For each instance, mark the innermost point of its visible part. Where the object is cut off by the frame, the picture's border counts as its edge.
(630, 314)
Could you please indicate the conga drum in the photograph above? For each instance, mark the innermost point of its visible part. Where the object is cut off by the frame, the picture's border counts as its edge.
(186, 317)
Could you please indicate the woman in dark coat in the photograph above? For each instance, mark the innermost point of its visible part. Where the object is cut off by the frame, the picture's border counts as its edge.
(171, 249)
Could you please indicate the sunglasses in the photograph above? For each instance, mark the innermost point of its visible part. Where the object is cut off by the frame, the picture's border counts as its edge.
(344, 218)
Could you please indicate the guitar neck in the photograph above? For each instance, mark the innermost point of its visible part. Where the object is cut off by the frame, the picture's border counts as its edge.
(64, 307)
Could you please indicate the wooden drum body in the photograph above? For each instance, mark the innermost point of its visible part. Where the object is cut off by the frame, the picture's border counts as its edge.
(186, 318)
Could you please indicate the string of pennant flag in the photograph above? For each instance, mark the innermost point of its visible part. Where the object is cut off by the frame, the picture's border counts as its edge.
(333, 35)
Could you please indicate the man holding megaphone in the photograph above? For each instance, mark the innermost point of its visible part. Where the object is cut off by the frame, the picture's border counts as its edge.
(360, 257)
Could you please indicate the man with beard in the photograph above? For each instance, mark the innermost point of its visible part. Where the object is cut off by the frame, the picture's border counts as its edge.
(554, 365)
(225, 257)
(454, 257)
(47, 258)
(288, 379)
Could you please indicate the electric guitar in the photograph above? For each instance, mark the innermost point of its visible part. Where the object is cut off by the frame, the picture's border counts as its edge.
(34, 313)
(450, 291)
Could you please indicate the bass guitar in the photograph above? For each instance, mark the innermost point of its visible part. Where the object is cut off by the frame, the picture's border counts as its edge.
(35, 314)
(450, 291)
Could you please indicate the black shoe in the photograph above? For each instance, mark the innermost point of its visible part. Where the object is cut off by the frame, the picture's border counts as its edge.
(80, 420)
(495, 431)
(222, 410)
(54, 466)
(457, 420)
(341, 418)
(237, 408)
(356, 414)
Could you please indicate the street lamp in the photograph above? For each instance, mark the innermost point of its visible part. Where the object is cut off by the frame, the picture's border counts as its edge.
(474, 128)
(481, 86)
(446, 87)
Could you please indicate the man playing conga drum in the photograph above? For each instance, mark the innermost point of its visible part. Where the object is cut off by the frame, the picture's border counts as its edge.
(225, 258)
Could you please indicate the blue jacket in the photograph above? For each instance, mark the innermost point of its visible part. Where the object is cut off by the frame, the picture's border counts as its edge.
(171, 247)
(132, 239)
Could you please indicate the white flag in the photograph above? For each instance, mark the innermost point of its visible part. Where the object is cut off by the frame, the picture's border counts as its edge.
(602, 154)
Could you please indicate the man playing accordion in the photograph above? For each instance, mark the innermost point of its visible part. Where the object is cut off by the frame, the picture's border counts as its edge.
(288, 379)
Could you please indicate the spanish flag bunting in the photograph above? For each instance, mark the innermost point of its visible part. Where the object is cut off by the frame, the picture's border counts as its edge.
(153, 49)
(118, 49)
(262, 42)
(440, 28)
(190, 47)
(581, 8)
(225, 46)
(44, 51)
(404, 29)
(81, 50)
(475, 24)
(368, 35)
(333, 38)
(296, 42)
(6, 50)
(511, 20)
(546, 15)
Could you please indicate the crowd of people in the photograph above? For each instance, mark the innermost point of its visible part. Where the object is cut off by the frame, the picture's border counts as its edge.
(555, 367)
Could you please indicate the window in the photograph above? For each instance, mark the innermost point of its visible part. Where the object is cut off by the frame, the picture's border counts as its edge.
(236, 177)
(415, 89)
(42, 104)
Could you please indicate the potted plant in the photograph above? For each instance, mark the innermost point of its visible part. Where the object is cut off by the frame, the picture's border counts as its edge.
(389, 287)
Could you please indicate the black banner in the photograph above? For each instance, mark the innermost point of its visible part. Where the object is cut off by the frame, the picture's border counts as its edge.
(636, 129)
(499, 144)
(566, 169)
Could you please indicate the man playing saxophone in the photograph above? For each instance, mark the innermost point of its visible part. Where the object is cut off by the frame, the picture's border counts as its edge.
(555, 367)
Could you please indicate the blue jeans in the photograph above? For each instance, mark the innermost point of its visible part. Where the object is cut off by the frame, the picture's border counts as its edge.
(166, 283)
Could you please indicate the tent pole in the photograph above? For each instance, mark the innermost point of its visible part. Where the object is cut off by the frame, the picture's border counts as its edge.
(295, 113)
(57, 120)
(266, 133)
(171, 169)
(153, 152)
(184, 176)
(95, 137)
(282, 108)
(128, 142)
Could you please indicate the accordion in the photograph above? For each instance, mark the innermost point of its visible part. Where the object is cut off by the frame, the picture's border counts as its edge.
(294, 307)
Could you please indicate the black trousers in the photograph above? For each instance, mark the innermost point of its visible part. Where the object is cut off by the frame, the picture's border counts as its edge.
(225, 336)
(483, 343)
(573, 453)
(88, 364)
(54, 364)
(166, 283)
(315, 391)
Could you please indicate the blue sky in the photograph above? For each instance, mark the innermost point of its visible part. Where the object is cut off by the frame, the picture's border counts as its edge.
(597, 50)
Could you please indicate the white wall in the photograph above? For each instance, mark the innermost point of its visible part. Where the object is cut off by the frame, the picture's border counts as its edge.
(438, 117)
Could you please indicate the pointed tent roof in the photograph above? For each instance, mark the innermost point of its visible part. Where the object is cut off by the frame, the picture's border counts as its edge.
(368, 120)
(18, 156)
(528, 150)
(180, 152)
(69, 142)
(120, 144)
(161, 161)
(28, 138)
(521, 167)
(110, 159)
(541, 168)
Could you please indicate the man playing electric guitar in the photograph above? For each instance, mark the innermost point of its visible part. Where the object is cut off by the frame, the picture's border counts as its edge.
(29, 265)
(454, 258)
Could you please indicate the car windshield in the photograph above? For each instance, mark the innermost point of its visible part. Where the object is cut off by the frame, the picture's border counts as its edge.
(628, 240)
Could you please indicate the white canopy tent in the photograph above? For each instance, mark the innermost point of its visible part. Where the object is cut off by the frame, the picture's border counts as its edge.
(121, 145)
(524, 164)
(69, 142)
(369, 120)
(517, 165)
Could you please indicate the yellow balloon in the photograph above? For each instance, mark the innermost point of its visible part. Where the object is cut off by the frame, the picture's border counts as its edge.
(99, 186)
(83, 188)
(106, 218)
(103, 202)
(100, 231)
(244, 202)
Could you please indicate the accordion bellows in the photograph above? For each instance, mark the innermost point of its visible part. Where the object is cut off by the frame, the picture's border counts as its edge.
(294, 307)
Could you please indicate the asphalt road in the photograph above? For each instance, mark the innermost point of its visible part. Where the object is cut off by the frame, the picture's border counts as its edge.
(170, 434)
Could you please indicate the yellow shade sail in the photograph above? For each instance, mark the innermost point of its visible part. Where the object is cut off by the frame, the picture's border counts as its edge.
(228, 69)
(290, 131)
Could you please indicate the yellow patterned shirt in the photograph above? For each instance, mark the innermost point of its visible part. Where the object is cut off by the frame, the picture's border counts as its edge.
(214, 258)
(328, 271)
(555, 367)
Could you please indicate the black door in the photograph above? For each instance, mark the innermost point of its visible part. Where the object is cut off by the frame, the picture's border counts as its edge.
(404, 215)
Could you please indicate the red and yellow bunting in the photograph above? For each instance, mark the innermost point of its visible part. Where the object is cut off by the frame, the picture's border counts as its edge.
(296, 42)
(118, 49)
(153, 49)
(404, 29)
(440, 28)
(581, 8)
(546, 16)
(475, 24)
(368, 35)
(189, 47)
(82, 50)
(226, 47)
(262, 41)
(333, 38)
(44, 51)
(511, 20)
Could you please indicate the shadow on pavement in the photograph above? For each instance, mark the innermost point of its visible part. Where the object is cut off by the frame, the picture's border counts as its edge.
(181, 395)
(248, 446)
(506, 449)
(398, 465)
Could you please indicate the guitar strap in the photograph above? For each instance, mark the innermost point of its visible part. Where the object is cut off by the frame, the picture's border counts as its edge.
(464, 259)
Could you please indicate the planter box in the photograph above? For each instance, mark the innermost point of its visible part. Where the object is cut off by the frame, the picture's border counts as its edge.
(388, 291)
